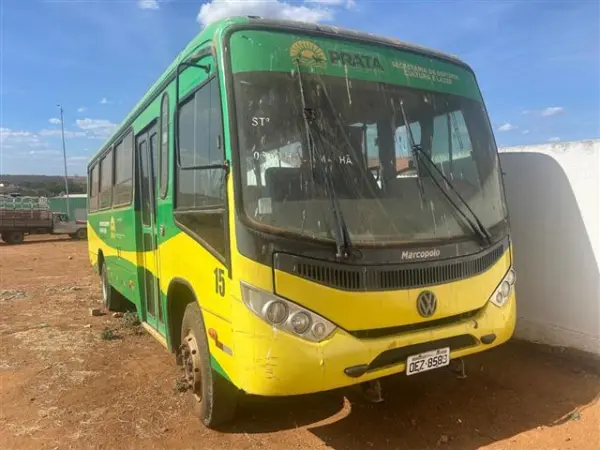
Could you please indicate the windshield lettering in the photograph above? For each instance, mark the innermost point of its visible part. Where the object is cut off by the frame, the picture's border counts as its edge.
(341, 159)
(356, 60)
(260, 121)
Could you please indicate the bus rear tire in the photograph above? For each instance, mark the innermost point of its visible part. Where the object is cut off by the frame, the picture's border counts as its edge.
(213, 398)
(113, 300)
(13, 237)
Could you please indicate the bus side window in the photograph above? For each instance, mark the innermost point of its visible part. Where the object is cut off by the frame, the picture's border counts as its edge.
(123, 182)
(106, 180)
(200, 197)
(93, 188)
(164, 146)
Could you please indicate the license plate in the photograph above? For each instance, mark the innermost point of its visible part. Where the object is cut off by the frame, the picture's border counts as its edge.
(428, 361)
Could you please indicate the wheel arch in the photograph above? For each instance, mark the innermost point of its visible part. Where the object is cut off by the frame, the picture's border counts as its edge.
(100, 260)
(179, 294)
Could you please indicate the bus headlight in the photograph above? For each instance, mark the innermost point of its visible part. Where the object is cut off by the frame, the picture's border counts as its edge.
(286, 315)
(276, 312)
(511, 277)
(502, 292)
(300, 322)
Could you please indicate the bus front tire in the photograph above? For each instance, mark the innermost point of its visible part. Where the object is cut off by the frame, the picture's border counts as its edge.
(213, 398)
(113, 300)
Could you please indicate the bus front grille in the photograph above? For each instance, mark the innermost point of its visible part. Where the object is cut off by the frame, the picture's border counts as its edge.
(432, 274)
(389, 277)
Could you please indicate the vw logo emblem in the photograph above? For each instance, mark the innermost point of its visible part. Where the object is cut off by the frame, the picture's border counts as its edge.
(426, 303)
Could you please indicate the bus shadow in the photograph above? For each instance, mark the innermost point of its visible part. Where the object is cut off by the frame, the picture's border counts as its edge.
(508, 391)
(267, 415)
(32, 240)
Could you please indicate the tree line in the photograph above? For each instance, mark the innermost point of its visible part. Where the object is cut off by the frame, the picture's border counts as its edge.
(39, 185)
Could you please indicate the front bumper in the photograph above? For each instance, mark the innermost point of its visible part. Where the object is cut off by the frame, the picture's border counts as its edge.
(270, 362)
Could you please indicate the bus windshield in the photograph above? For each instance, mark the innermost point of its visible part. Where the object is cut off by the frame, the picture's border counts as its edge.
(299, 136)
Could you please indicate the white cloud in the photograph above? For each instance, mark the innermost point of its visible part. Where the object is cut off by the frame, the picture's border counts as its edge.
(347, 3)
(96, 128)
(326, 2)
(554, 139)
(58, 133)
(7, 133)
(105, 101)
(546, 112)
(10, 138)
(77, 163)
(148, 4)
(278, 9)
(44, 152)
(77, 158)
(525, 132)
(81, 109)
(94, 124)
(54, 121)
(506, 127)
(551, 111)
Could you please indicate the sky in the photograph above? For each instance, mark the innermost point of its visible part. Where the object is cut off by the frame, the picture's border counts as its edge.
(537, 62)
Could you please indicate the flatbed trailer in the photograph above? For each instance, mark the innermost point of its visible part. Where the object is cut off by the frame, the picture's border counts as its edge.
(20, 216)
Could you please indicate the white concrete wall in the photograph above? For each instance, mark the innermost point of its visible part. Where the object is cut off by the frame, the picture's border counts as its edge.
(553, 195)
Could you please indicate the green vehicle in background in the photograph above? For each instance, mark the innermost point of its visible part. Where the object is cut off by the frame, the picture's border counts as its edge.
(76, 209)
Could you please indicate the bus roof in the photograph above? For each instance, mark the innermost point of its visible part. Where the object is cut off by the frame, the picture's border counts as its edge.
(218, 27)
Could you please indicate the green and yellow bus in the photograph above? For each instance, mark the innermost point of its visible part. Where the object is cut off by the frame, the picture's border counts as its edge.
(295, 208)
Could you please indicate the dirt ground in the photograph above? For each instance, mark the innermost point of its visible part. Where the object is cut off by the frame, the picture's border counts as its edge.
(62, 386)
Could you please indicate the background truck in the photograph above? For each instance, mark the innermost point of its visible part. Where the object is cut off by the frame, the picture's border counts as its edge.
(31, 215)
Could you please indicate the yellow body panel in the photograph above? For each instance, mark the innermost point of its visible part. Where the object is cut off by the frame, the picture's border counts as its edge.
(181, 257)
(273, 363)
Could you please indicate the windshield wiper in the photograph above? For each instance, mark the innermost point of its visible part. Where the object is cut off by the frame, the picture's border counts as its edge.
(342, 236)
(477, 226)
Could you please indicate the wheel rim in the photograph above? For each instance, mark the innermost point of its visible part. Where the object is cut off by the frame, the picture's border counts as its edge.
(104, 285)
(191, 364)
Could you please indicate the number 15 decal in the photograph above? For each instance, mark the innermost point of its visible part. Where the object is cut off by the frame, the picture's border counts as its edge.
(219, 282)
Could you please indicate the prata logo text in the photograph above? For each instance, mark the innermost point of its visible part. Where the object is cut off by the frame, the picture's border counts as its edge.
(355, 60)
(422, 254)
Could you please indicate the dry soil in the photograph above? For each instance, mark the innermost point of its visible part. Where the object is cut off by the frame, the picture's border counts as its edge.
(63, 386)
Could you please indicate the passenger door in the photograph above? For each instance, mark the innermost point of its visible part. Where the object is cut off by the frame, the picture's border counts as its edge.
(146, 153)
